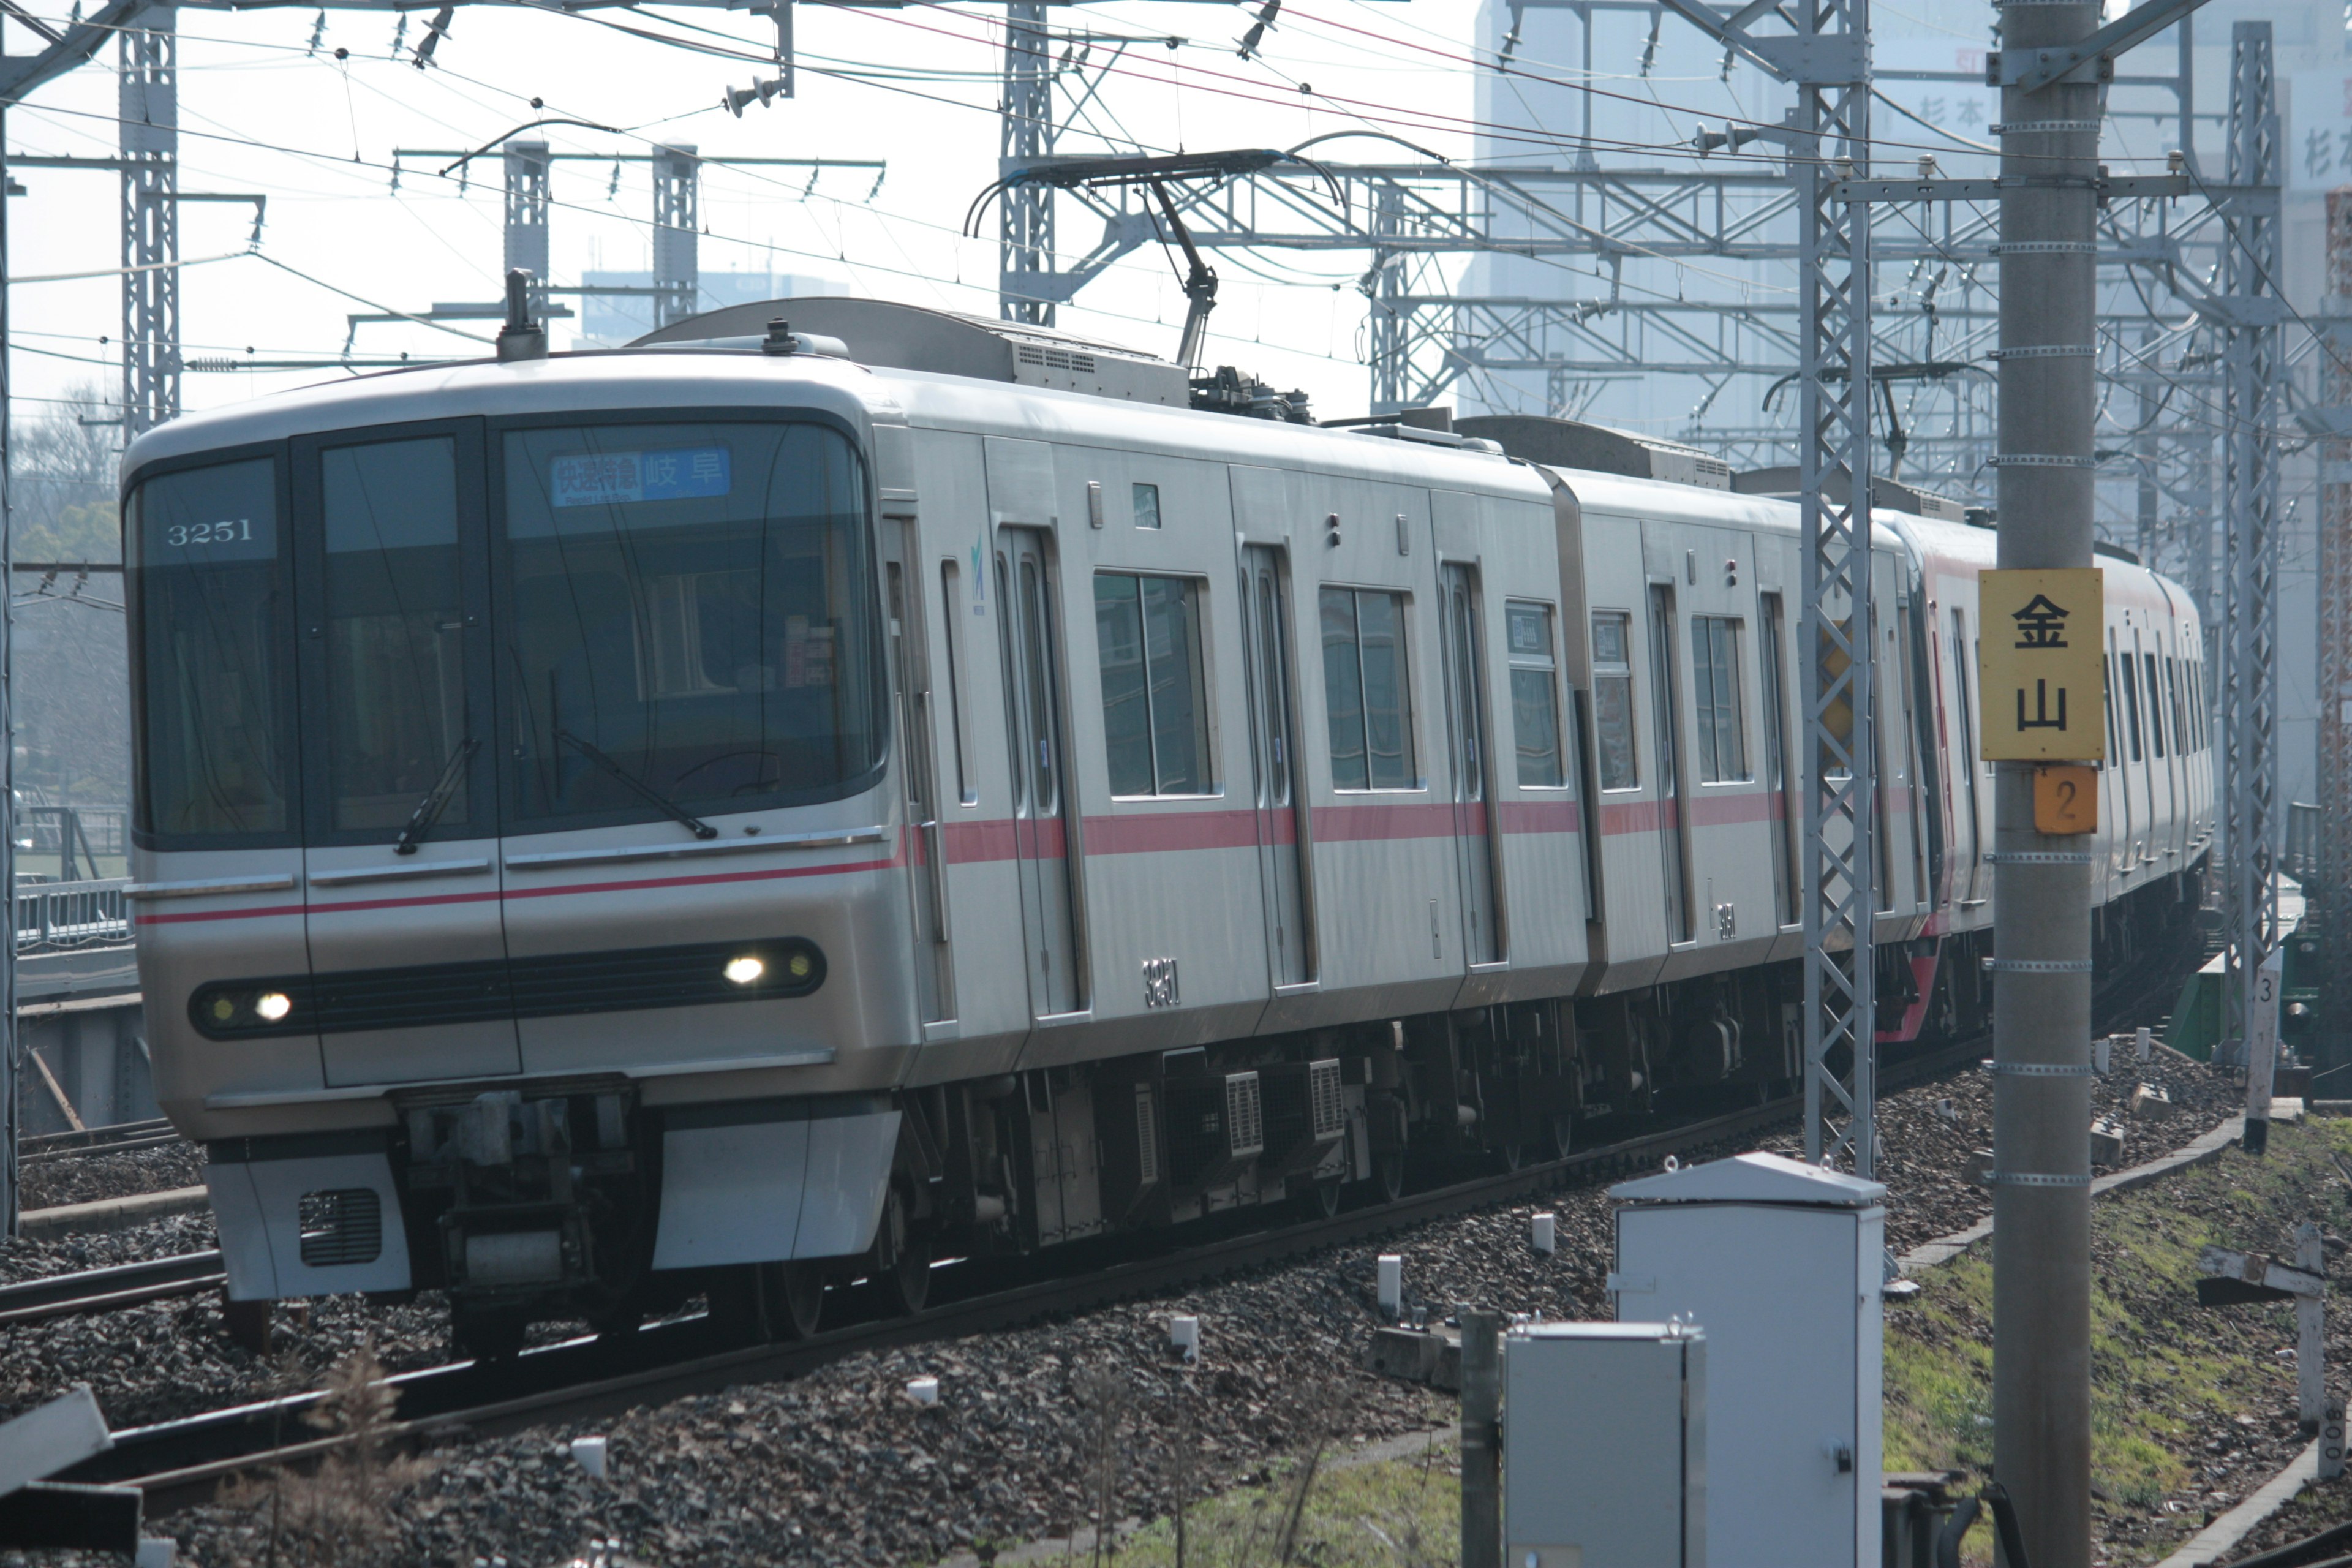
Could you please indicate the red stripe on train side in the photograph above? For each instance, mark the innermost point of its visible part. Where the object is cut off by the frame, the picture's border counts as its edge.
(969, 843)
(1403, 819)
(1157, 832)
(217, 915)
(1552, 816)
(714, 878)
(1722, 810)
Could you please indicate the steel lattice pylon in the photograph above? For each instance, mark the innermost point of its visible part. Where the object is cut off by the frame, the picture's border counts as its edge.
(151, 220)
(677, 229)
(2334, 892)
(527, 168)
(1026, 212)
(2250, 486)
(1839, 765)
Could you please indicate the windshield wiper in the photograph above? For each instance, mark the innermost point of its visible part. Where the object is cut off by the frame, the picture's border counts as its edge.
(653, 796)
(436, 799)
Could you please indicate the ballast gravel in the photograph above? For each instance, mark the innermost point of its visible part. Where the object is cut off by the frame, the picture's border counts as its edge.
(841, 1467)
(54, 1178)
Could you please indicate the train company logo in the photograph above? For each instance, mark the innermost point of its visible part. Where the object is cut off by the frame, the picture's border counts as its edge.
(2042, 684)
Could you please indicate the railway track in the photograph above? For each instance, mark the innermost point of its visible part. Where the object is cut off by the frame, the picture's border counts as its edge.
(178, 1463)
(117, 1139)
(106, 1290)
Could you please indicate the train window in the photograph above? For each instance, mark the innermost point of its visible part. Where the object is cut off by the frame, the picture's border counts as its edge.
(1535, 695)
(1367, 689)
(1667, 695)
(2131, 706)
(1155, 708)
(2179, 705)
(692, 618)
(1147, 505)
(1714, 680)
(396, 703)
(1964, 712)
(2155, 705)
(951, 623)
(1612, 701)
(2115, 737)
(215, 709)
(1771, 662)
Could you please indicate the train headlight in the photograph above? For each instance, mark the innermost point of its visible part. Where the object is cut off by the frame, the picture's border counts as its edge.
(799, 965)
(224, 1009)
(743, 971)
(272, 1005)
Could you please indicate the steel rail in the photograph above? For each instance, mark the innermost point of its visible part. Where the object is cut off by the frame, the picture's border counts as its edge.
(125, 1146)
(96, 1139)
(105, 1289)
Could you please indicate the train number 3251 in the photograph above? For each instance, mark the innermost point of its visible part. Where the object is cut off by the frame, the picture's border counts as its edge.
(234, 530)
(1159, 982)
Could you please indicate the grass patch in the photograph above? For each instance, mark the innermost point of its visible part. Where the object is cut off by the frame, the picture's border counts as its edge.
(1403, 1513)
(2167, 1379)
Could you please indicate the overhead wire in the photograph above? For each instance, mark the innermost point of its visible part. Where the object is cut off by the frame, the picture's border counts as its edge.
(889, 217)
(757, 244)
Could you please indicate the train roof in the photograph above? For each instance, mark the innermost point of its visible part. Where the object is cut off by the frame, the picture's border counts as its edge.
(703, 374)
(675, 379)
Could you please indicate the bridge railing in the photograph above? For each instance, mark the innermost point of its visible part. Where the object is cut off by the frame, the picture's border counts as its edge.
(54, 915)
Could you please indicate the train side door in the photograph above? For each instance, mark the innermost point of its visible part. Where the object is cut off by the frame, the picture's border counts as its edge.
(911, 683)
(1031, 633)
(1274, 750)
(392, 586)
(1465, 730)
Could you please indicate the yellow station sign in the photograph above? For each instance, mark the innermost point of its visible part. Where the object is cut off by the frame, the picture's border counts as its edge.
(2041, 680)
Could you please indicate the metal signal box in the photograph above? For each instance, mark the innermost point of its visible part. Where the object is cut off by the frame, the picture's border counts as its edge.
(1604, 1446)
(1781, 1265)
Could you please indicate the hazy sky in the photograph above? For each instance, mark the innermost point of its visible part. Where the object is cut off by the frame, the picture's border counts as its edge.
(262, 112)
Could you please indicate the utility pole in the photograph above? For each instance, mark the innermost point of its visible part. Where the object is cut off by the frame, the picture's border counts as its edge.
(527, 170)
(151, 220)
(1839, 763)
(2042, 884)
(2249, 514)
(2335, 890)
(678, 233)
(10, 1068)
(1384, 283)
(1025, 213)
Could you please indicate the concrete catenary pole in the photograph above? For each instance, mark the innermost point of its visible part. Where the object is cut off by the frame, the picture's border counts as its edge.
(2335, 881)
(2041, 897)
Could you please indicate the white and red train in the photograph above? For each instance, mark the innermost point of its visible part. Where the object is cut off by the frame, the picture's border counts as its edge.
(615, 825)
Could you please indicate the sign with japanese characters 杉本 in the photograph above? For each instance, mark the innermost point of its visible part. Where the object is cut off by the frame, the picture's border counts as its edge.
(2041, 684)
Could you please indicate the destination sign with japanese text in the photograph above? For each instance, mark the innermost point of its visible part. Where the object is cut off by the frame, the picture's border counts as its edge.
(2041, 680)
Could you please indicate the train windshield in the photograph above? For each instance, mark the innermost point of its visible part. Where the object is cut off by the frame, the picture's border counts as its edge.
(688, 617)
(681, 619)
(214, 715)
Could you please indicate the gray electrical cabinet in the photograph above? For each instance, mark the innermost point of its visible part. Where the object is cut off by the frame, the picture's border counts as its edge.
(1604, 1446)
(1780, 1264)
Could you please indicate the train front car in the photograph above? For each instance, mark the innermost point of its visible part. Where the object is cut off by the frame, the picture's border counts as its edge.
(518, 874)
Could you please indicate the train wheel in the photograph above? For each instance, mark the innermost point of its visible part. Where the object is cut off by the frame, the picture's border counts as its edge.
(736, 1303)
(793, 1297)
(1320, 1200)
(902, 1259)
(1388, 1176)
(1558, 1132)
(1510, 1156)
(486, 1334)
